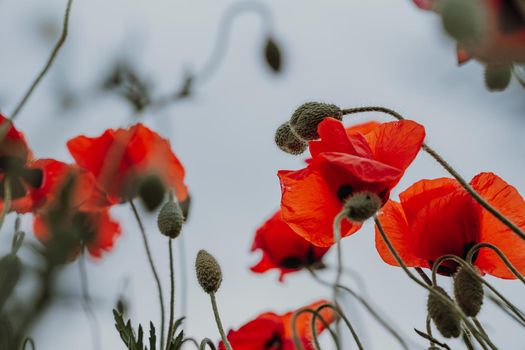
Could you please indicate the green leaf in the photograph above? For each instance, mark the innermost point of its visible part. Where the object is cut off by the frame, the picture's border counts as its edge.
(152, 337)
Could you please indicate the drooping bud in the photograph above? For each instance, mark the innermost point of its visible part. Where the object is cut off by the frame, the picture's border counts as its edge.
(170, 219)
(151, 192)
(287, 141)
(497, 77)
(468, 291)
(362, 206)
(272, 55)
(307, 117)
(209, 272)
(463, 19)
(445, 318)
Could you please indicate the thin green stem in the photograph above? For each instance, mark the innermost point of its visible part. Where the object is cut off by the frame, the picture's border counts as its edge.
(172, 295)
(346, 320)
(224, 338)
(447, 167)
(505, 309)
(339, 272)
(86, 303)
(29, 341)
(49, 63)
(153, 270)
(502, 256)
(207, 342)
(432, 290)
(7, 200)
(367, 306)
(423, 275)
(295, 335)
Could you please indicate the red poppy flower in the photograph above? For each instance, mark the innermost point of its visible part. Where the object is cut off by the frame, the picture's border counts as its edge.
(14, 157)
(284, 249)
(345, 163)
(85, 220)
(119, 158)
(438, 217)
(270, 331)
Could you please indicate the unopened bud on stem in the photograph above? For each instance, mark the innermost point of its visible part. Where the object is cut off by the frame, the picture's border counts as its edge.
(307, 117)
(468, 291)
(362, 206)
(287, 141)
(445, 318)
(209, 272)
(170, 219)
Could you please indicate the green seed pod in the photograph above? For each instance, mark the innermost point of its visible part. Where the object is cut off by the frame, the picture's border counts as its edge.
(468, 291)
(151, 192)
(170, 219)
(10, 271)
(287, 141)
(362, 206)
(307, 117)
(445, 318)
(497, 76)
(209, 272)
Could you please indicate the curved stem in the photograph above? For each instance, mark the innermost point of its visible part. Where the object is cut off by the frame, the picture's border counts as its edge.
(172, 295)
(447, 167)
(86, 303)
(191, 340)
(207, 341)
(479, 337)
(423, 275)
(297, 341)
(7, 200)
(153, 270)
(339, 272)
(504, 307)
(368, 307)
(346, 320)
(502, 256)
(224, 338)
(465, 265)
(49, 63)
(30, 341)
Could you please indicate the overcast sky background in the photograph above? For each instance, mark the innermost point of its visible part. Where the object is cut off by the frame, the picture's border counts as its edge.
(351, 53)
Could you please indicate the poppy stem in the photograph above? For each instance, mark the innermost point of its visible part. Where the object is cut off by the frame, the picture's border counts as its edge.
(467, 266)
(225, 340)
(172, 295)
(208, 342)
(7, 200)
(479, 337)
(153, 269)
(505, 308)
(447, 167)
(506, 261)
(86, 302)
(423, 275)
(49, 63)
(339, 272)
(295, 335)
(346, 320)
(30, 341)
(367, 306)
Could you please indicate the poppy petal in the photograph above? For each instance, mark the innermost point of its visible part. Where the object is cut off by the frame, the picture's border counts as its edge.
(507, 200)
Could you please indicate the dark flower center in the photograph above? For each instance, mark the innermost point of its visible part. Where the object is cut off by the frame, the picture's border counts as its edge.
(18, 174)
(344, 192)
(274, 343)
(511, 18)
(449, 268)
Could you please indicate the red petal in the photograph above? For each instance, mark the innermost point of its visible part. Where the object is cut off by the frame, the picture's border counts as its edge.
(510, 203)
(107, 232)
(362, 128)
(396, 143)
(462, 55)
(256, 334)
(397, 229)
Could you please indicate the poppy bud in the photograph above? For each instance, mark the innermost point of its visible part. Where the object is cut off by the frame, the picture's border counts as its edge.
(497, 77)
(209, 272)
(468, 291)
(307, 117)
(287, 141)
(362, 206)
(463, 19)
(272, 54)
(170, 219)
(151, 192)
(445, 318)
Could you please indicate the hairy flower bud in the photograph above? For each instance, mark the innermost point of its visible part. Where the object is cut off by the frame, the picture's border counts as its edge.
(445, 318)
(209, 272)
(362, 206)
(151, 191)
(497, 77)
(287, 141)
(307, 117)
(170, 219)
(468, 291)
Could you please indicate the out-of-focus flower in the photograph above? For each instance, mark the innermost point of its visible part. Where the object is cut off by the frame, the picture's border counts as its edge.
(270, 331)
(344, 163)
(284, 249)
(438, 217)
(71, 211)
(122, 158)
(15, 159)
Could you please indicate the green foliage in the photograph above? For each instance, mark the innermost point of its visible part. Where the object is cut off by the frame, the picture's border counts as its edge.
(136, 341)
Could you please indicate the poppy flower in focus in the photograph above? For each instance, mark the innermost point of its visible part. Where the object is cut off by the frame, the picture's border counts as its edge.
(438, 217)
(270, 331)
(284, 249)
(345, 163)
(72, 211)
(121, 158)
(14, 168)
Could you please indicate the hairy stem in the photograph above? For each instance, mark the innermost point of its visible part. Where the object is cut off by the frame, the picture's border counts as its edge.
(172, 295)
(224, 338)
(86, 303)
